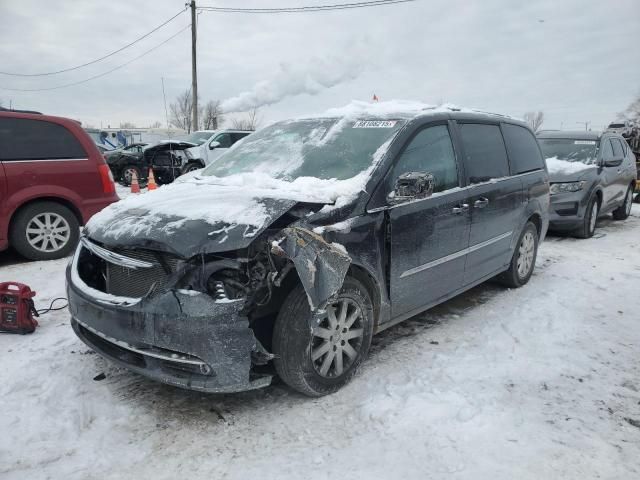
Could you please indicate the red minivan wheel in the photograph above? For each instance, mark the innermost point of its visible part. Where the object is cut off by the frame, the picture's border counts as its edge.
(44, 231)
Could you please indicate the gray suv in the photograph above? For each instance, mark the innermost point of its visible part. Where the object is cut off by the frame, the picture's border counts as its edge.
(592, 174)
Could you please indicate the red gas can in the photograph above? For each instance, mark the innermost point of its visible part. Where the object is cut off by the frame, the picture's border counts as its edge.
(16, 308)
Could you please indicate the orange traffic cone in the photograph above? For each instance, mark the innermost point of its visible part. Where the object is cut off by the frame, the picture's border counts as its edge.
(135, 186)
(151, 182)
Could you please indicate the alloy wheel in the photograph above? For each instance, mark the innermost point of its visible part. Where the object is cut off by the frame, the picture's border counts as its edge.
(48, 232)
(526, 253)
(337, 339)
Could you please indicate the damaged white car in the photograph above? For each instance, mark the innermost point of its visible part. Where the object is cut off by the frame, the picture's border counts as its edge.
(302, 241)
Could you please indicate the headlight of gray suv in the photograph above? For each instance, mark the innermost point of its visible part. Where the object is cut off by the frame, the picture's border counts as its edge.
(566, 187)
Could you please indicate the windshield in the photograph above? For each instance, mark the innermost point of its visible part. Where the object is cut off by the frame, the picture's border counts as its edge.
(323, 148)
(198, 137)
(616, 125)
(570, 150)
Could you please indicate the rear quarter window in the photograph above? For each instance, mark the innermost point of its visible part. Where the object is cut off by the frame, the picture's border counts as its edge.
(26, 139)
(523, 150)
(485, 156)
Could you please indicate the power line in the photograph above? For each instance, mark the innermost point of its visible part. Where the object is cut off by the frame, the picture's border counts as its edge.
(310, 8)
(100, 74)
(43, 74)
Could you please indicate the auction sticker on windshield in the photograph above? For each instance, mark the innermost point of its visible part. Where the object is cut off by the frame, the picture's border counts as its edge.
(584, 142)
(375, 124)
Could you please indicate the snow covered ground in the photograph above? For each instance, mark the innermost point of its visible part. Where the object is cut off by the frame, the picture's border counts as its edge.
(540, 382)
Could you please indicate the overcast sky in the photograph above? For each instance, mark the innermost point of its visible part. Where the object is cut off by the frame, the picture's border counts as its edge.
(575, 60)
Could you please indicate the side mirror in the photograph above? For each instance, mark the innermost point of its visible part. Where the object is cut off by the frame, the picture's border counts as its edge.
(213, 145)
(411, 186)
(613, 162)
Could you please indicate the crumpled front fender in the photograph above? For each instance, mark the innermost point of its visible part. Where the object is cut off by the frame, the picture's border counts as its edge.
(321, 266)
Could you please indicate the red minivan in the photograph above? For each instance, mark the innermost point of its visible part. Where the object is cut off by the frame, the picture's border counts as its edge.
(52, 180)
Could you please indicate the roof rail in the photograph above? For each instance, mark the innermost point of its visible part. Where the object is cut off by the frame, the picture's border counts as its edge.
(19, 111)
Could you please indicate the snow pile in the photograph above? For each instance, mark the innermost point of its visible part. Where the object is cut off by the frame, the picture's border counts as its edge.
(539, 382)
(555, 165)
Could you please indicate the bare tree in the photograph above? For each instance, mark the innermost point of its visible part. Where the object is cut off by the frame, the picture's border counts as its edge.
(127, 125)
(632, 112)
(250, 122)
(181, 112)
(534, 119)
(155, 124)
(212, 117)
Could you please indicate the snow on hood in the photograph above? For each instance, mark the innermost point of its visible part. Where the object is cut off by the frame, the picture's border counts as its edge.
(563, 167)
(230, 210)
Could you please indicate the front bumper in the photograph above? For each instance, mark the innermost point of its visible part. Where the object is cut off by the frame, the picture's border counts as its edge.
(567, 210)
(190, 341)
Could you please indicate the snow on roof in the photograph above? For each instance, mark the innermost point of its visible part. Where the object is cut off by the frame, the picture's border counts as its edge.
(401, 108)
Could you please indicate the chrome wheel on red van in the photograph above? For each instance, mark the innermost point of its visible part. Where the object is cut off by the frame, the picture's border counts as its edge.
(48, 232)
(44, 231)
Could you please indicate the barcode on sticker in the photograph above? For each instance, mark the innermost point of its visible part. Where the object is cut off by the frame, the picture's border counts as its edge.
(584, 142)
(375, 124)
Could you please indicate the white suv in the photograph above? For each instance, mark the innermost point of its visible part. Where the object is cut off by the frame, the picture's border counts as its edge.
(623, 128)
(210, 144)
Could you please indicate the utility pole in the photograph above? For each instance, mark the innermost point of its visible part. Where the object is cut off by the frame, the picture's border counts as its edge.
(194, 70)
(586, 124)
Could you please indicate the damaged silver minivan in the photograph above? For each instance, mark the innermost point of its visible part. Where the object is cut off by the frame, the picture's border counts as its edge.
(305, 239)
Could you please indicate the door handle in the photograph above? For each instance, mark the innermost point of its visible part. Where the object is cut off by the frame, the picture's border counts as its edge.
(481, 203)
(460, 209)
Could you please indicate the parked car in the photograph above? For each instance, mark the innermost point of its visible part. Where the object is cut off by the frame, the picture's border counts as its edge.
(167, 158)
(124, 162)
(592, 174)
(52, 179)
(624, 128)
(210, 145)
(133, 148)
(305, 240)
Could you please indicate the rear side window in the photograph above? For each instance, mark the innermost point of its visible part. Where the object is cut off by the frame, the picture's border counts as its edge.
(617, 148)
(26, 139)
(523, 150)
(484, 151)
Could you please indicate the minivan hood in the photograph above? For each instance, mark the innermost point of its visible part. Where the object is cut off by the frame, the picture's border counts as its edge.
(198, 216)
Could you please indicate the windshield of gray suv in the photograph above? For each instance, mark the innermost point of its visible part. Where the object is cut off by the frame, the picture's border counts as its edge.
(570, 149)
(324, 148)
(198, 137)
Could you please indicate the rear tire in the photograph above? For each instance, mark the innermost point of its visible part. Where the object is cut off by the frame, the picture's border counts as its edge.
(127, 174)
(338, 347)
(588, 227)
(44, 231)
(190, 167)
(624, 210)
(524, 258)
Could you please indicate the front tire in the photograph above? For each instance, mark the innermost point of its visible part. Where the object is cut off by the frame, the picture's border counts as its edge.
(523, 260)
(588, 227)
(44, 231)
(321, 360)
(624, 210)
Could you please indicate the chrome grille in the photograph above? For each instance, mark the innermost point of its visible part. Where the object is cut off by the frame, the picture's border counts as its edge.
(127, 282)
